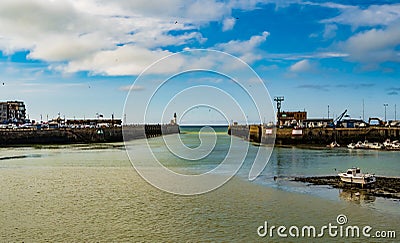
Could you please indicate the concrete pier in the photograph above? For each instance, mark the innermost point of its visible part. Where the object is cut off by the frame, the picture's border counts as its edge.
(314, 136)
(83, 135)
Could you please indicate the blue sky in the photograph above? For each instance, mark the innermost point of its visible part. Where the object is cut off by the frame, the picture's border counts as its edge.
(79, 58)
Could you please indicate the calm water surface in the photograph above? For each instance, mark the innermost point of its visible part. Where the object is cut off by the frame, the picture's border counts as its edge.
(92, 193)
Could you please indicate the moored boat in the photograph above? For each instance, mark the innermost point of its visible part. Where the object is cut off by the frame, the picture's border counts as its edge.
(351, 145)
(333, 145)
(395, 145)
(354, 175)
(357, 145)
(375, 146)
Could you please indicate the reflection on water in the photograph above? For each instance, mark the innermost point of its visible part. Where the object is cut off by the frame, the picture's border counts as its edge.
(356, 196)
(286, 163)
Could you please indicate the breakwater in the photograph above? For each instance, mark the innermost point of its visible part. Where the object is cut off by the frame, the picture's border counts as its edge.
(313, 136)
(83, 135)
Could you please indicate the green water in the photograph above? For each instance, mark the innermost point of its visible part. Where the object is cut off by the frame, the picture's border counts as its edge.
(92, 193)
(287, 163)
(195, 129)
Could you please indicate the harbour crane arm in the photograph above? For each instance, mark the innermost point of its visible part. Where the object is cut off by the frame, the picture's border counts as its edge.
(338, 119)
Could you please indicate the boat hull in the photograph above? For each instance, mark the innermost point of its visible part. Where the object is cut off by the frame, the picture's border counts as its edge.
(363, 180)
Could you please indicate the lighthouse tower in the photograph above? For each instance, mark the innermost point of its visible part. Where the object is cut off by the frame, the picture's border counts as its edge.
(174, 121)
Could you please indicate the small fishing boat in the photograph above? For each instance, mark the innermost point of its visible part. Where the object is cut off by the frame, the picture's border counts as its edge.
(387, 143)
(391, 145)
(354, 175)
(351, 146)
(358, 145)
(395, 145)
(333, 145)
(375, 146)
(365, 144)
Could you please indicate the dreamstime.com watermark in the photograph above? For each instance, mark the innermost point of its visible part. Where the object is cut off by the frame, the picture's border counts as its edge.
(340, 229)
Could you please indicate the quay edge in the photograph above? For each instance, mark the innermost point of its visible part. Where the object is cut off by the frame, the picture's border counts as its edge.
(313, 136)
(10, 137)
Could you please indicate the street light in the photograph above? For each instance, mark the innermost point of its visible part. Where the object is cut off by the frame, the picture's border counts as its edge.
(385, 105)
(328, 111)
(279, 100)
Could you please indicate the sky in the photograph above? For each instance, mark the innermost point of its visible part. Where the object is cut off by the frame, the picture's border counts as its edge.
(78, 58)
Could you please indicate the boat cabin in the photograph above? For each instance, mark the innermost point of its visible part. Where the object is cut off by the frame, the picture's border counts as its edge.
(353, 171)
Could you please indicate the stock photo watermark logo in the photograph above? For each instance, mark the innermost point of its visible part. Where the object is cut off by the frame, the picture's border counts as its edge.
(339, 229)
(187, 83)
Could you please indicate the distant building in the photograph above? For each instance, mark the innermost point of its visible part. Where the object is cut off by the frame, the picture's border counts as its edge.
(12, 112)
(291, 118)
(93, 122)
(3, 112)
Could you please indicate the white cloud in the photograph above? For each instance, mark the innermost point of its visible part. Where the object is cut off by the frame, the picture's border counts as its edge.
(74, 35)
(374, 15)
(299, 56)
(268, 67)
(228, 24)
(374, 46)
(125, 60)
(247, 49)
(206, 80)
(131, 88)
(58, 47)
(330, 31)
(302, 66)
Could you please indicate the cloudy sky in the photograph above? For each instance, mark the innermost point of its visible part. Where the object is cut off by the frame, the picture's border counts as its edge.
(79, 58)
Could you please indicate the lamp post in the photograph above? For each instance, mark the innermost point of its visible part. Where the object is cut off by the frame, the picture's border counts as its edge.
(328, 112)
(363, 110)
(279, 100)
(385, 105)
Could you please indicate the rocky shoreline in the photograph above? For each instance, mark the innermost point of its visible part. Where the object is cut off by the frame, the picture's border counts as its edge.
(387, 187)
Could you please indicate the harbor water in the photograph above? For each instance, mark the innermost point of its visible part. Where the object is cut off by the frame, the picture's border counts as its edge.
(93, 193)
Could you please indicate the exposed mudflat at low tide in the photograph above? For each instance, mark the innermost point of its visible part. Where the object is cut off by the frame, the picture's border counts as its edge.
(388, 187)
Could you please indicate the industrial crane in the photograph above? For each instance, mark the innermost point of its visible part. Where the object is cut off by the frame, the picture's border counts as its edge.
(336, 122)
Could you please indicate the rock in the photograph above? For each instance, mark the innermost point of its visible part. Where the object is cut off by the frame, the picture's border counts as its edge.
(388, 187)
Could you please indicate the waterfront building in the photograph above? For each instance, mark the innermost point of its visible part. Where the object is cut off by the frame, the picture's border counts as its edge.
(3, 112)
(291, 118)
(82, 123)
(12, 112)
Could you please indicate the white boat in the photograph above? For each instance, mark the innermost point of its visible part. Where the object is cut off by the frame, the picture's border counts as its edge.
(395, 145)
(365, 144)
(387, 143)
(391, 145)
(357, 145)
(354, 175)
(333, 145)
(375, 146)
